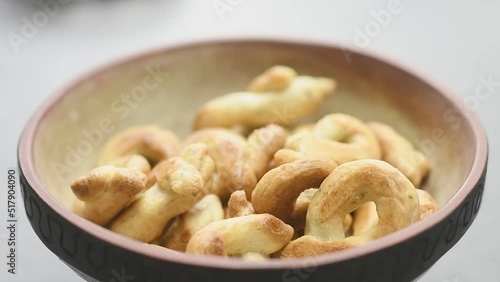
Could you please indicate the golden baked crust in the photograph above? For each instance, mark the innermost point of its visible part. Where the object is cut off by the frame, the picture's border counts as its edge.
(345, 189)
(239, 162)
(138, 162)
(229, 152)
(105, 191)
(278, 99)
(181, 182)
(238, 205)
(256, 233)
(278, 190)
(207, 210)
(262, 144)
(243, 186)
(340, 137)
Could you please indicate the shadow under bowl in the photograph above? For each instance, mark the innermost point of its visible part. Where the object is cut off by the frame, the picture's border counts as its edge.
(165, 87)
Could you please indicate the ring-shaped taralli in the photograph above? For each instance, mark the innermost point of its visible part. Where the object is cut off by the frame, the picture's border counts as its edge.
(400, 153)
(263, 234)
(278, 190)
(346, 188)
(150, 141)
(340, 137)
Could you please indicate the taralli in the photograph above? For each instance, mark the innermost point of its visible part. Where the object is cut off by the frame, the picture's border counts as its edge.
(278, 190)
(257, 233)
(131, 161)
(302, 96)
(239, 163)
(340, 137)
(153, 143)
(400, 153)
(206, 211)
(105, 191)
(300, 211)
(181, 182)
(262, 144)
(252, 183)
(229, 152)
(238, 205)
(345, 189)
(427, 203)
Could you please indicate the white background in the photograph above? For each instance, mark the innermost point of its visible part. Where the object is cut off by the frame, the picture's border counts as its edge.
(455, 42)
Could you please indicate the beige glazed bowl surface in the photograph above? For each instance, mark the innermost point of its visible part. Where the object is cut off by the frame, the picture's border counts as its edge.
(165, 87)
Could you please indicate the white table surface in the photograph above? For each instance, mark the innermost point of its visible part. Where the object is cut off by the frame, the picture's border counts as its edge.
(455, 42)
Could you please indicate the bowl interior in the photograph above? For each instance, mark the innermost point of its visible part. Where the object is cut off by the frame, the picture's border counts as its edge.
(166, 88)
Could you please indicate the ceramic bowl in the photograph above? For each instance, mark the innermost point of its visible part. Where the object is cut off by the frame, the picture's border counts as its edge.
(165, 87)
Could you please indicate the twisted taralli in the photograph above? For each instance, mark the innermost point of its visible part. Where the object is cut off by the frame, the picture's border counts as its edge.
(181, 182)
(207, 210)
(261, 234)
(278, 96)
(239, 162)
(105, 191)
(153, 143)
(229, 152)
(400, 153)
(252, 183)
(340, 137)
(345, 189)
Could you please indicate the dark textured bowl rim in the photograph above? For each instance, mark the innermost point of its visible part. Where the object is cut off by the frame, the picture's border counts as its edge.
(25, 155)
